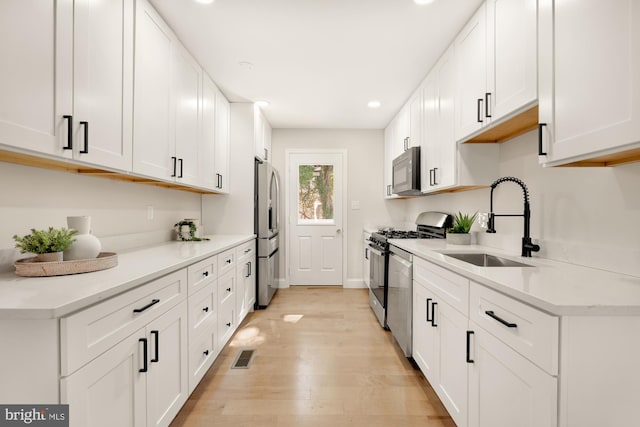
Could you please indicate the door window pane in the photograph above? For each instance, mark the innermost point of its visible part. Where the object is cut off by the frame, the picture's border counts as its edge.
(315, 194)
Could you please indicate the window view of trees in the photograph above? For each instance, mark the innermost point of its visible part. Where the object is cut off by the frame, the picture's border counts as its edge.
(315, 192)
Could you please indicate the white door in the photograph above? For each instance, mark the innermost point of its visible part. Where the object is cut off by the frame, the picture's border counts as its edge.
(315, 218)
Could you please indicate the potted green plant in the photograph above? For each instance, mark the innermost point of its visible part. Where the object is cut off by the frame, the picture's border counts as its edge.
(458, 234)
(46, 244)
(187, 230)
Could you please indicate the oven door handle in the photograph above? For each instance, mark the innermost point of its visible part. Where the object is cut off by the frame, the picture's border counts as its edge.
(375, 251)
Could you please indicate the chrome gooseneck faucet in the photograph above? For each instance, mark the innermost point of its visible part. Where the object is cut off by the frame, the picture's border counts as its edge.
(527, 246)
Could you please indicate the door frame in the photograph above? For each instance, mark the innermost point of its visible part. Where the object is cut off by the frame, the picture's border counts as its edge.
(287, 182)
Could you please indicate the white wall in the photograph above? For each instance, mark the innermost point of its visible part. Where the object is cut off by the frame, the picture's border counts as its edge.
(365, 151)
(233, 213)
(39, 198)
(585, 216)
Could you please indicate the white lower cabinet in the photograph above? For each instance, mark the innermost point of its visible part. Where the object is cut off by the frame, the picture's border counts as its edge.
(492, 360)
(245, 279)
(506, 389)
(142, 381)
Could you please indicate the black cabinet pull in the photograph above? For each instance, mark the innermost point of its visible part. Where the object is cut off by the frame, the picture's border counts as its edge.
(145, 354)
(156, 342)
(246, 251)
(433, 314)
(540, 152)
(86, 137)
(389, 190)
(406, 144)
(181, 164)
(479, 110)
(366, 253)
(140, 310)
(491, 314)
(174, 160)
(487, 101)
(469, 359)
(229, 261)
(205, 274)
(229, 324)
(206, 309)
(428, 301)
(206, 352)
(435, 182)
(248, 269)
(228, 289)
(69, 145)
(219, 180)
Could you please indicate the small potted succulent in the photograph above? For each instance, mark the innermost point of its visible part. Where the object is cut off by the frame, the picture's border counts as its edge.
(47, 245)
(458, 234)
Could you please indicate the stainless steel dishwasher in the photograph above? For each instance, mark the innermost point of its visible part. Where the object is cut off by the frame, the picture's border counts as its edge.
(400, 297)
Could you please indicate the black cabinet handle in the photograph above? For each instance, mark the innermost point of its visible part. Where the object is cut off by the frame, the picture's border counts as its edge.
(469, 359)
(487, 101)
(181, 164)
(145, 366)
(219, 180)
(229, 261)
(140, 310)
(435, 182)
(206, 309)
(266, 154)
(406, 143)
(229, 324)
(156, 342)
(433, 314)
(248, 270)
(366, 253)
(246, 251)
(491, 314)
(86, 137)
(206, 352)
(69, 145)
(205, 274)
(174, 159)
(228, 289)
(428, 301)
(388, 190)
(540, 152)
(479, 110)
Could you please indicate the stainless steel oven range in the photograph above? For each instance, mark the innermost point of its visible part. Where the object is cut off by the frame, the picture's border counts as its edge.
(430, 225)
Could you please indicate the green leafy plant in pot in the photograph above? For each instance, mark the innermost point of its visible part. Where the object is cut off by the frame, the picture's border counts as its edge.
(458, 234)
(46, 244)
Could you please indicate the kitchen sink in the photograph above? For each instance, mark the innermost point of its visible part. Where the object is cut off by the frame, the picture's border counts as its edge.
(486, 260)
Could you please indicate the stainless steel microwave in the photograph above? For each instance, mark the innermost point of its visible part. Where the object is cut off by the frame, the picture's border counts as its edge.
(406, 173)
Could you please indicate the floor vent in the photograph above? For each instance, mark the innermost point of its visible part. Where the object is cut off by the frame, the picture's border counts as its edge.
(243, 359)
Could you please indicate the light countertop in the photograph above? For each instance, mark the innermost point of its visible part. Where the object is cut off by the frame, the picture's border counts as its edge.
(555, 287)
(52, 297)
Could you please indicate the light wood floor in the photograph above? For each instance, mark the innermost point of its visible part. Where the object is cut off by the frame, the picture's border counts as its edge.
(321, 360)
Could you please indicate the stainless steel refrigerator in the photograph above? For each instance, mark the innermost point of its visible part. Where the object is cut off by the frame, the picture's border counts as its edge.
(267, 225)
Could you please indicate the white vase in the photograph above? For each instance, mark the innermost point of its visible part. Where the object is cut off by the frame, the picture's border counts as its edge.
(85, 245)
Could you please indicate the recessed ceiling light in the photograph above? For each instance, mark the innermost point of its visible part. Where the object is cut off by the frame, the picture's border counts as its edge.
(204, 1)
(422, 1)
(374, 104)
(262, 104)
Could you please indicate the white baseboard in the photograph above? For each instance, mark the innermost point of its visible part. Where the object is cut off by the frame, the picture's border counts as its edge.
(282, 283)
(355, 284)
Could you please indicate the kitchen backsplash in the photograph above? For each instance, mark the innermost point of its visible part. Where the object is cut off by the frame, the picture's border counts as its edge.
(584, 216)
(39, 198)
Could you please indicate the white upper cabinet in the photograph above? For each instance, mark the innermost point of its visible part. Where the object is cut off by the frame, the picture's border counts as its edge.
(511, 56)
(390, 152)
(103, 83)
(589, 59)
(222, 142)
(36, 71)
(207, 158)
(262, 135)
(438, 153)
(471, 48)
(153, 134)
(71, 98)
(496, 65)
(187, 83)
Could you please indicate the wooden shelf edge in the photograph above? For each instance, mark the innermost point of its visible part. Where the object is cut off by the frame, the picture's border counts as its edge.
(510, 128)
(607, 160)
(63, 166)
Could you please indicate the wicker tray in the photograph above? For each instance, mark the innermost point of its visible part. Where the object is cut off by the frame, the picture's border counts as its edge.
(28, 267)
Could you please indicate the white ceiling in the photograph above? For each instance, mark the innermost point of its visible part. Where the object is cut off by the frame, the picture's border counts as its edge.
(318, 62)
